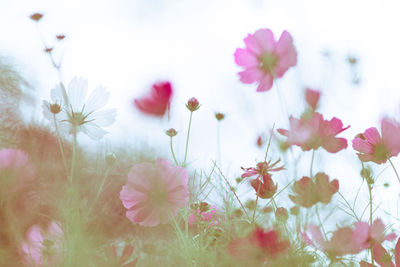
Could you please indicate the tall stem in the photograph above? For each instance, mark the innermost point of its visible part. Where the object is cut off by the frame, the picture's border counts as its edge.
(172, 151)
(312, 162)
(370, 218)
(187, 139)
(219, 142)
(74, 145)
(395, 171)
(60, 145)
(258, 192)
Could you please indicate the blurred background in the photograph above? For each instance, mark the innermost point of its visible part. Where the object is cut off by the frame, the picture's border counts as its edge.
(347, 49)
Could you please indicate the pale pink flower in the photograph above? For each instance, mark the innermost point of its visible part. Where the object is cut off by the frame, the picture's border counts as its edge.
(369, 235)
(373, 147)
(154, 192)
(315, 132)
(265, 59)
(42, 247)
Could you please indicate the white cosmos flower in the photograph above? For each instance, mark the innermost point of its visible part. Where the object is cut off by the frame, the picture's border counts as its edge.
(78, 113)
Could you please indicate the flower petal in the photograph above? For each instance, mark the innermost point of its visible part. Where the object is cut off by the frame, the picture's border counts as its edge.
(77, 90)
(97, 99)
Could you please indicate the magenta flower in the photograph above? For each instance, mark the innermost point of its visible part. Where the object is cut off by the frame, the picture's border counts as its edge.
(264, 59)
(154, 192)
(157, 102)
(43, 247)
(315, 132)
(373, 147)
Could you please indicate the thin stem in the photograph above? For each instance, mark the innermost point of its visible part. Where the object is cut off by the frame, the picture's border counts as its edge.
(320, 221)
(395, 171)
(74, 145)
(258, 192)
(172, 151)
(218, 142)
(100, 189)
(370, 219)
(60, 145)
(312, 162)
(187, 139)
(269, 142)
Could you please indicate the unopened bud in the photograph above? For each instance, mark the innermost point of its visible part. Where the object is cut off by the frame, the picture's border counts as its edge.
(36, 17)
(281, 214)
(60, 37)
(193, 104)
(48, 50)
(219, 116)
(55, 108)
(171, 132)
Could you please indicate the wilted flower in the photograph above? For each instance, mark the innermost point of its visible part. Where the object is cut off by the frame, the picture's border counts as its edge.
(193, 104)
(373, 147)
(77, 113)
(308, 192)
(157, 101)
(260, 245)
(264, 59)
(315, 132)
(43, 247)
(154, 192)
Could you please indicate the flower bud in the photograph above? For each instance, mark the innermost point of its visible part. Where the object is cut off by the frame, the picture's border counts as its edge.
(171, 132)
(48, 50)
(281, 214)
(60, 37)
(36, 17)
(55, 108)
(193, 104)
(219, 116)
(295, 210)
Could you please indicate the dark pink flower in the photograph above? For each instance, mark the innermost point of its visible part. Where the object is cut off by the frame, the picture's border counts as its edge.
(204, 213)
(264, 59)
(315, 132)
(308, 192)
(373, 147)
(312, 98)
(154, 192)
(157, 101)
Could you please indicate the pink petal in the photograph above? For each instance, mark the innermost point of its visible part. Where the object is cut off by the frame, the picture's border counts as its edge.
(265, 39)
(380, 254)
(265, 83)
(390, 132)
(397, 253)
(286, 53)
(334, 145)
(362, 146)
(245, 58)
(250, 75)
(317, 235)
(372, 135)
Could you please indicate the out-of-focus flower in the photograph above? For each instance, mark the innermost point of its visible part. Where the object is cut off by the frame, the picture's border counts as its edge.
(113, 259)
(171, 132)
(154, 192)
(312, 98)
(193, 104)
(373, 147)
(60, 37)
(259, 141)
(281, 214)
(308, 192)
(157, 101)
(315, 132)
(262, 168)
(260, 245)
(78, 113)
(43, 247)
(264, 59)
(203, 213)
(382, 257)
(219, 116)
(36, 17)
(347, 240)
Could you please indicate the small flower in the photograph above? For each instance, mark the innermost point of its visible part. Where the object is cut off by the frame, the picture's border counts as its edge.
(154, 192)
(78, 113)
(264, 59)
(259, 141)
(312, 98)
(308, 192)
(43, 247)
(157, 101)
(260, 245)
(193, 104)
(36, 17)
(219, 116)
(203, 213)
(262, 168)
(315, 132)
(265, 188)
(373, 147)
(281, 214)
(171, 132)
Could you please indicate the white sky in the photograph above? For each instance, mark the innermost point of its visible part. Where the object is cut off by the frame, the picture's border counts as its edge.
(127, 45)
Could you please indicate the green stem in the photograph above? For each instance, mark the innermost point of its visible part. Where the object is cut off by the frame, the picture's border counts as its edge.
(187, 139)
(172, 151)
(395, 171)
(370, 218)
(100, 189)
(312, 162)
(269, 143)
(218, 143)
(255, 208)
(60, 145)
(74, 145)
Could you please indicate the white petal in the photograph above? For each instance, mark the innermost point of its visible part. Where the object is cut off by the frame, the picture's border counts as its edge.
(46, 110)
(93, 131)
(104, 117)
(97, 99)
(58, 95)
(77, 90)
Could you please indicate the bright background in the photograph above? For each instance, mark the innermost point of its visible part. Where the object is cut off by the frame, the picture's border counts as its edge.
(127, 45)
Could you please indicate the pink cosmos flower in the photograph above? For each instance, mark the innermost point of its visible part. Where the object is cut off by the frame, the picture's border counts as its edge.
(382, 257)
(259, 245)
(157, 101)
(154, 192)
(315, 132)
(308, 192)
(373, 147)
(203, 213)
(347, 240)
(264, 59)
(312, 98)
(42, 247)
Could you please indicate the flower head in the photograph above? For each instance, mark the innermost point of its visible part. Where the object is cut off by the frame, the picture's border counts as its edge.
(265, 59)
(374, 147)
(78, 113)
(308, 192)
(154, 192)
(36, 16)
(219, 116)
(157, 101)
(193, 104)
(315, 132)
(42, 247)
